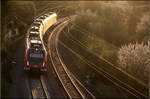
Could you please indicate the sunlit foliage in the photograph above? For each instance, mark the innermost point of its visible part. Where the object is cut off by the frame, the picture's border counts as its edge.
(135, 59)
(117, 22)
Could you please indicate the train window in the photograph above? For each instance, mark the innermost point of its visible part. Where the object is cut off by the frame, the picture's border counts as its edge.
(38, 21)
(36, 58)
(33, 34)
(34, 29)
(42, 17)
(34, 38)
(35, 61)
(36, 55)
(36, 45)
(37, 25)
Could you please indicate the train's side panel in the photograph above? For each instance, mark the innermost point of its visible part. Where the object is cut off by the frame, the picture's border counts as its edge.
(49, 21)
(26, 39)
(41, 30)
(26, 43)
(26, 48)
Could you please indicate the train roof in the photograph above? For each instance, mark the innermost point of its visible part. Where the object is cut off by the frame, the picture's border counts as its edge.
(42, 17)
(36, 42)
(34, 32)
(38, 20)
(34, 38)
(34, 29)
(37, 24)
(46, 14)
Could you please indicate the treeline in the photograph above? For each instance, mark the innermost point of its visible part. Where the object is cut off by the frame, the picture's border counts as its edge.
(117, 23)
(107, 26)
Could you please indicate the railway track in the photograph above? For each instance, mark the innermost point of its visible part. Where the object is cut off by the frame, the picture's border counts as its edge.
(85, 91)
(38, 87)
(117, 82)
(66, 81)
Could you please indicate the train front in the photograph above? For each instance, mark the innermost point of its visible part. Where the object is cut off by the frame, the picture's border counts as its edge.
(36, 57)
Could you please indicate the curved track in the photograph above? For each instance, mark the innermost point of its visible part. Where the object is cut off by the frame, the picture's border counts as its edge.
(66, 81)
(110, 77)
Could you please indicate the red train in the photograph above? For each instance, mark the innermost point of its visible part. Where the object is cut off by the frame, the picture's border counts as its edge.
(35, 52)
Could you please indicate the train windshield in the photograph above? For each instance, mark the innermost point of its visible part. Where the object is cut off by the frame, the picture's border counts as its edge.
(36, 24)
(34, 29)
(33, 35)
(36, 58)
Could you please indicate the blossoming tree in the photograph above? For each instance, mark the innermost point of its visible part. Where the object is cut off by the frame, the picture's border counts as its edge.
(135, 59)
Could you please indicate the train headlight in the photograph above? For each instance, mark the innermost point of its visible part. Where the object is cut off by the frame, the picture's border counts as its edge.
(43, 64)
(27, 63)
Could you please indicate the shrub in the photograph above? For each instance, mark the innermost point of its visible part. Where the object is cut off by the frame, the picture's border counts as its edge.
(134, 59)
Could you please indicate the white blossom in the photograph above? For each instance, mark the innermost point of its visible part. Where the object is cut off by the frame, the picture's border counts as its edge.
(135, 59)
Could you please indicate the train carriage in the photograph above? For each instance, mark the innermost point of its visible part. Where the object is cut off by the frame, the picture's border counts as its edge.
(36, 56)
(49, 21)
(35, 52)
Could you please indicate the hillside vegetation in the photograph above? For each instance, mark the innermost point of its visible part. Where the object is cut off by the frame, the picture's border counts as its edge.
(106, 26)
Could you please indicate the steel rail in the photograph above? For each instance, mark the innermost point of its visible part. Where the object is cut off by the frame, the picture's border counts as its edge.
(102, 72)
(44, 87)
(112, 75)
(38, 88)
(84, 46)
(64, 66)
(72, 75)
(62, 75)
(42, 92)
